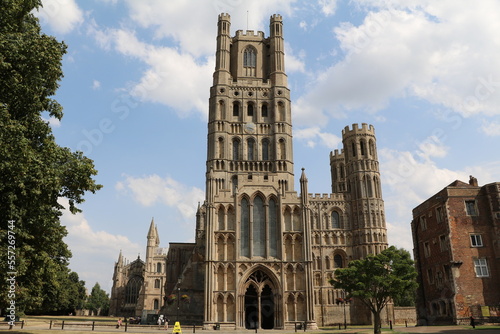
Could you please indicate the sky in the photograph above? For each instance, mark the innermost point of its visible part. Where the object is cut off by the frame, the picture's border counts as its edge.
(137, 74)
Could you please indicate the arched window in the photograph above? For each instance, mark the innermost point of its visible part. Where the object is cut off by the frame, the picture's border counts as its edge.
(249, 57)
(132, 290)
(264, 110)
(273, 228)
(158, 267)
(362, 147)
(335, 219)
(353, 149)
(236, 109)
(245, 228)
(222, 110)
(259, 228)
(250, 149)
(250, 110)
(220, 217)
(156, 305)
(220, 147)
(282, 149)
(236, 149)
(338, 261)
(265, 149)
(157, 283)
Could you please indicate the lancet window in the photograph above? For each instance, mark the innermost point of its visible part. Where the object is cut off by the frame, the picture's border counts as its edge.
(259, 228)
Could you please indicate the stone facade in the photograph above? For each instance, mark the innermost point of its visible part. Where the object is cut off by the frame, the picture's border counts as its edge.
(456, 236)
(138, 286)
(264, 253)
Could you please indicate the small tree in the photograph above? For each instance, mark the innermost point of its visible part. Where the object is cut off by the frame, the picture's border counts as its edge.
(377, 279)
(98, 301)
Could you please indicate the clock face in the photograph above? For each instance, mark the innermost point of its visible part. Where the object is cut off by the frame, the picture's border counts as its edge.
(249, 127)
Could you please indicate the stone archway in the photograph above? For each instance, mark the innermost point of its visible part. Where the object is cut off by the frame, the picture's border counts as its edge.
(259, 302)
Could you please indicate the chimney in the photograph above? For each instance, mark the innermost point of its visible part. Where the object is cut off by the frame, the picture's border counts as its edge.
(472, 181)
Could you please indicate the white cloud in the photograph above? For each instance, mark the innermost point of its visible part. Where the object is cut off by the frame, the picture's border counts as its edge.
(96, 84)
(314, 134)
(172, 78)
(433, 51)
(152, 189)
(431, 147)
(293, 62)
(491, 128)
(61, 15)
(53, 122)
(409, 180)
(94, 252)
(185, 21)
(328, 6)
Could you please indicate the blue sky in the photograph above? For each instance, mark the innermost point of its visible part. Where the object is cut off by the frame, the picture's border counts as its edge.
(136, 84)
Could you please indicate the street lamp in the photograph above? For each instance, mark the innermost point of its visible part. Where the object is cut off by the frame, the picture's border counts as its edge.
(345, 301)
(178, 296)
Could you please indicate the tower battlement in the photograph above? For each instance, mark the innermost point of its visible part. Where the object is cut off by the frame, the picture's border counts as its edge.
(224, 16)
(365, 129)
(249, 33)
(276, 17)
(336, 154)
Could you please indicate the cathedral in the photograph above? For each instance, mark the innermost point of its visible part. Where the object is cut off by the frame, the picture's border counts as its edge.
(264, 252)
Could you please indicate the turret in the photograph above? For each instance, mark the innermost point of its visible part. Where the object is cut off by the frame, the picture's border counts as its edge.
(363, 185)
(223, 53)
(278, 76)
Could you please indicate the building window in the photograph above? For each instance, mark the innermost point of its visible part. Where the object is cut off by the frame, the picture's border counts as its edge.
(158, 267)
(132, 290)
(476, 240)
(427, 249)
(236, 149)
(335, 219)
(157, 283)
(265, 149)
(264, 110)
(236, 109)
(250, 110)
(470, 207)
(156, 304)
(423, 223)
(249, 57)
(430, 276)
(481, 268)
(442, 243)
(440, 214)
(338, 261)
(250, 149)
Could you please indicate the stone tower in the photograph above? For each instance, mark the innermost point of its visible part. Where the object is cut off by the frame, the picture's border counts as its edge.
(249, 182)
(355, 171)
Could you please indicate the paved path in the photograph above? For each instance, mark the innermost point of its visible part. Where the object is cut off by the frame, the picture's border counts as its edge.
(189, 330)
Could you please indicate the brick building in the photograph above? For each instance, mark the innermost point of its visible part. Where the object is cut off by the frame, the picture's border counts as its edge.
(456, 235)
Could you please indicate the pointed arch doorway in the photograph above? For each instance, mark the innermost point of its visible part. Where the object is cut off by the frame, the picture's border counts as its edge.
(259, 304)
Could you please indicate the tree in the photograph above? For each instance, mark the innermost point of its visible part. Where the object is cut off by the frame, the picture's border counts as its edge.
(377, 279)
(98, 301)
(35, 172)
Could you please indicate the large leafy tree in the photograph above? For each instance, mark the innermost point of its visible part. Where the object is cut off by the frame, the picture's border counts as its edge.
(98, 301)
(35, 172)
(377, 279)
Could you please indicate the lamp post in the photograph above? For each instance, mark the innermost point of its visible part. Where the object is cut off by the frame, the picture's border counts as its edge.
(178, 296)
(345, 301)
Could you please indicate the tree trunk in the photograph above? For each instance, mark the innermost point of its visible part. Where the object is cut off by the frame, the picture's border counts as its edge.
(377, 323)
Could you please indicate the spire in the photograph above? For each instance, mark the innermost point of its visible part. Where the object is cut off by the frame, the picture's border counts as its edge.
(303, 187)
(153, 238)
(120, 259)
